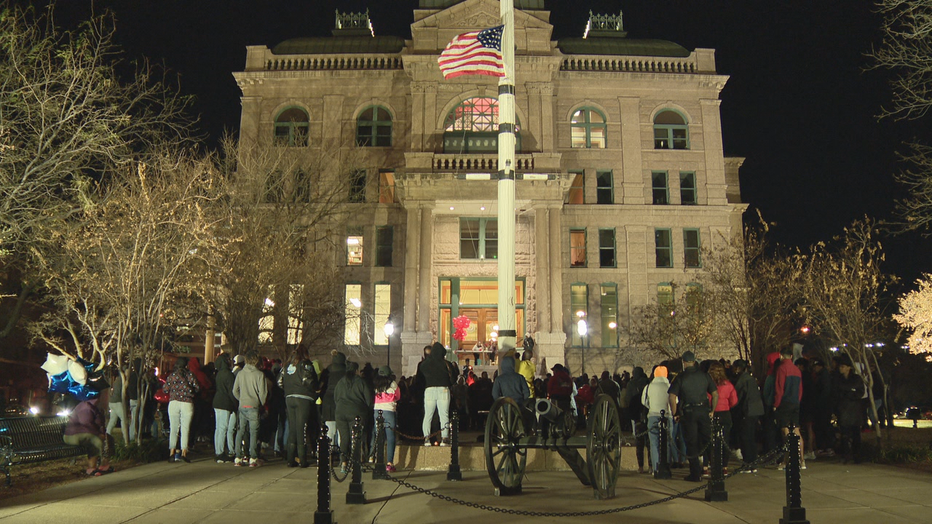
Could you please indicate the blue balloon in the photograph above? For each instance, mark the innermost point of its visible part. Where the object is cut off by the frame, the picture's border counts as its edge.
(61, 383)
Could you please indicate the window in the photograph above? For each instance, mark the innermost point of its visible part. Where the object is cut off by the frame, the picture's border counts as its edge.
(665, 294)
(579, 305)
(587, 129)
(353, 322)
(609, 295)
(386, 187)
(661, 194)
(693, 295)
(383, 309)
(577, 248)
(606, 248)
(374, 128)
(384, 237)
(274, 187)
(478, 238)
(291, 128)
(357, 186)
(604, 193)
(267, 320)
(472, 127)
(691, 247)
(295, 314)
(670, 131)
(663, 247)
(354, 248)
(577, 190)
(688, 189)
(302, 191)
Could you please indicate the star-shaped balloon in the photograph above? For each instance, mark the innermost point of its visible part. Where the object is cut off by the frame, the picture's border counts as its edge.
(55, 364)
(78, 372)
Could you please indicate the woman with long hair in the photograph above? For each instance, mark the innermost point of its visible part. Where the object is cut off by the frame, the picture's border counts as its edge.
(181, 387)
(299, 381)
(727, 399)
(387, 394)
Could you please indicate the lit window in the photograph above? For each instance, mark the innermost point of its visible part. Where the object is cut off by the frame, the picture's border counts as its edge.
(478, 238)
(588, 129)
(688, 189)
(670, 131)
(691, 247)
(354, 249)
(577, 248)
(576, 194)
(606, 248)
(665, 294)
(604, 191)
(267, 320)
(384, 237)
(609, 296)
(353, 326)
(374, 128)
(386, 187)
(659, 189)
(383, 309)
(472, 127)
(291, 127)
(663, 247)
(579, 306)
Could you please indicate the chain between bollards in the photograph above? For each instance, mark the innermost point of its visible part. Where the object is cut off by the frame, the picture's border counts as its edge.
(454, 472)
(663, 467)
(323, 515)
(793, 512)
(378, 471)
(356, 493)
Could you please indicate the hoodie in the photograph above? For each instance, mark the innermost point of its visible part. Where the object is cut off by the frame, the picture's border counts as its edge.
(353, 397)
(195, 366)
(435, 370)
(250, 387)
(335, 372)
(632, 395)
(223, 398)
(510, 384)
(299, 380)
(656, 399)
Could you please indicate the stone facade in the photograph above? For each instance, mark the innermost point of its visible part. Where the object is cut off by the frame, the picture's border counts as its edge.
(336, 79)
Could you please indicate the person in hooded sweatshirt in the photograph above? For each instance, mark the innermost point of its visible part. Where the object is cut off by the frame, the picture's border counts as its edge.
(655, 399)
(510, 384)
(251, 390)
(353, 398)
(225, 408)
(335, 372)
(632, 399)
(437, 378)
(299, 382)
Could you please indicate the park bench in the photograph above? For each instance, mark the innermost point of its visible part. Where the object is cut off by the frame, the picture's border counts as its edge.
(26, 440)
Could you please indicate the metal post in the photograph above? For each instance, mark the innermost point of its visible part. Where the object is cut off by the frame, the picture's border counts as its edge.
(379, 472)
(356, 493)
(663, 467)
(323, 515)
(507, 333)
(454, 472)
(715, 490)
(793, 512)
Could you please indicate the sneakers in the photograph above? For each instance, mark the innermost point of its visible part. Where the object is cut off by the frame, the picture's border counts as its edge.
(809, 456)
(344, 469)
(185, 459)
(781, 466)
(749, 470)
(427, 443)
(176, 458)
(738, 454)
(238, 462)
(445, 442)
(253, 463)
(802, 466)
(390, 468)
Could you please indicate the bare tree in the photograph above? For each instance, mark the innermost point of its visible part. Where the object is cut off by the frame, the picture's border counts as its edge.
(681, 320)
(65, 117)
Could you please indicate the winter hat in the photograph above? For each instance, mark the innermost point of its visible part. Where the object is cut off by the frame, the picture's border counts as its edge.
(385, 371)
(689, 356)
(660, 371)
(239, 360)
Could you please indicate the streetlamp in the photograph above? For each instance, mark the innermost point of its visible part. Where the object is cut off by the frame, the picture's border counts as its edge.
(389, 329)
(583, 328)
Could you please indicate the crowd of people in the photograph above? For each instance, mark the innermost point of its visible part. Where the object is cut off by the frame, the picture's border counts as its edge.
(262, 406)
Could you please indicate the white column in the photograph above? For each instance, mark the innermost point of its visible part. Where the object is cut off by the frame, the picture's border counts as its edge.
(506, 186)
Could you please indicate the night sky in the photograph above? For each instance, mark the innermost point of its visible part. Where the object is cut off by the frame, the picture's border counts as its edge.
(800, 104)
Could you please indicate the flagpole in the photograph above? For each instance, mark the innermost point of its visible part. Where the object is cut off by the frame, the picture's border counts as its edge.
(507, 334)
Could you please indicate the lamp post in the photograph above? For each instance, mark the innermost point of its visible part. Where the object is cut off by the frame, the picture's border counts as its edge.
(389, 329)
(583, 328)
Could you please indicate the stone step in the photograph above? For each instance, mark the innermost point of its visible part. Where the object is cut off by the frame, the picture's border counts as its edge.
(472, 458)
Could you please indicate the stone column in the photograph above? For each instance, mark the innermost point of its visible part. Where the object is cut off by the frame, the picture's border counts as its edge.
(633, 177)
(417, 115)
(550, 341)
(332, 129)
(250, 121)
(547, 139)
(714, 153)
(424, 270)
(542, 283)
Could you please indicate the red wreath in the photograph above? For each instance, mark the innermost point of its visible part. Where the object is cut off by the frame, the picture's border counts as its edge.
(460, 323)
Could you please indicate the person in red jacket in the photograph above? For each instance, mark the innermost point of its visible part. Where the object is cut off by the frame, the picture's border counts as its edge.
(727, 399)
(788, 386)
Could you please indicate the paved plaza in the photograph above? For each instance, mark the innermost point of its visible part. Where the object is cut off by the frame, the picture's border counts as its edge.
(204, 491)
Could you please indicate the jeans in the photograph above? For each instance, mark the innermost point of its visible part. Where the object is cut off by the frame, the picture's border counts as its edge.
(436, 399)
(179, 418)
(299, 416)
(224, 432)
(389, 426)
(248, 417)
(653, 424)
(332, 433)
(116, 413)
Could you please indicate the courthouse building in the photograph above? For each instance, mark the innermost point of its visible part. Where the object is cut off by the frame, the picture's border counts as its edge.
(622, 176)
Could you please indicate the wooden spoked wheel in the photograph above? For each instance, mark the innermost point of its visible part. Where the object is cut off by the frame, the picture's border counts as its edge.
(504, 458)
(603, 447)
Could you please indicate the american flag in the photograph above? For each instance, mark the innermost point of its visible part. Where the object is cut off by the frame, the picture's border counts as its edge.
(474, 53)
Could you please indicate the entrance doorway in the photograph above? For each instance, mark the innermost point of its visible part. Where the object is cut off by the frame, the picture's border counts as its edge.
(477, 300)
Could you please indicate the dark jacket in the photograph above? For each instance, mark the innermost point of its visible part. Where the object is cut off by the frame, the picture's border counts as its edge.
(847, 393)
(223, 398)
(434, 368)
(633, 392)
(353, 397)
(181, 386)
(335, 372)
(510, 384)
(299, 380)
(116, 390)
(749, 399)
(86, 417)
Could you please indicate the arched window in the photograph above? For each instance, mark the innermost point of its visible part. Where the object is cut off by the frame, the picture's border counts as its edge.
(670, 130)
(588, 129)
(374, 127)
(472, 127)
(291, 128)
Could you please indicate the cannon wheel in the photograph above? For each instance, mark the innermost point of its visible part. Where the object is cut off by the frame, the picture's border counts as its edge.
(504, 459)
(603, 447)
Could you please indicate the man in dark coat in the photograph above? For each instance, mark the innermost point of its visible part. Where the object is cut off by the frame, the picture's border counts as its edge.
(747, 412)
(848, 390)
(510, 384)
(636, 412)
(689, 398)
(353, 398)
(225, 408)
(335, 372)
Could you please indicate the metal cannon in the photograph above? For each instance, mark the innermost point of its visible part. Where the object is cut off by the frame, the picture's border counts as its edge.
(512, 429)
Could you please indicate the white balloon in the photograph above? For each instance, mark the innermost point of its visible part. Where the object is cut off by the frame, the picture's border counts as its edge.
(55, 364)
(78, 373)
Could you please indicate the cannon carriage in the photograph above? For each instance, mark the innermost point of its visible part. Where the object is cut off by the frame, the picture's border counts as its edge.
(512, 429)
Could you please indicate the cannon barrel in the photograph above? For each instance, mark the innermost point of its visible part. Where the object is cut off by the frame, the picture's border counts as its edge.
(547, 409)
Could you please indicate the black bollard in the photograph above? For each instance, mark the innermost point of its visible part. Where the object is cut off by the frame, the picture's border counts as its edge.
(454, 472)
(323, 515)
(793, 512)
(356, 493)
(379, 473)
(663, 466)
(715, 489)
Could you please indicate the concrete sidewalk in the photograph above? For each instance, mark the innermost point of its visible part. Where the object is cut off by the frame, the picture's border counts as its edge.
(204, 491)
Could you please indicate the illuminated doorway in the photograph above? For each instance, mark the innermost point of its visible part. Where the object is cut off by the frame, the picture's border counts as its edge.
(477, 299)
